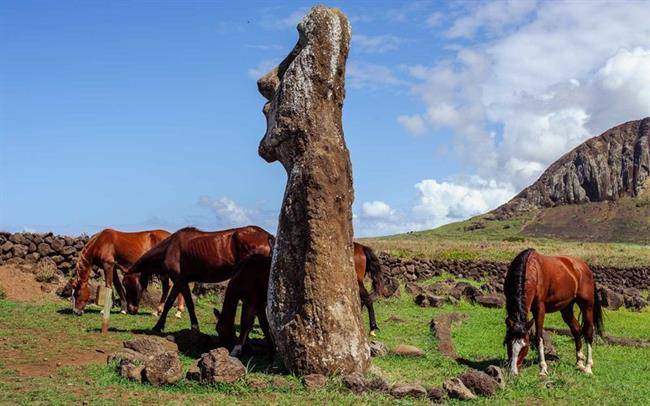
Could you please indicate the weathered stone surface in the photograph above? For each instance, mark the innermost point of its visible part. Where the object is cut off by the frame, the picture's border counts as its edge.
(313, 304)
(436, 394)
(193, 372)
(314, 381)
(44, 249)
(408, 350)
(413, 391)
(150, 345)
(355, 382)
(377, 349)
(131, 371)
(377, 384)
(492, 301)
(607, 167)
(218, 366)
(496, 373)
(456, 389)
(126, 355)
(479, 382)
(163, 368)
(427, 300)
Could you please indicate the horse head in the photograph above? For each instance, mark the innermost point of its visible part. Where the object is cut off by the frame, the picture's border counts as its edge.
(517, 341)
(225, 331)
(80, 295)
(133, 288)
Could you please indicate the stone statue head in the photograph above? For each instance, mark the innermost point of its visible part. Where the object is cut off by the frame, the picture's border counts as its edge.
(299, 89)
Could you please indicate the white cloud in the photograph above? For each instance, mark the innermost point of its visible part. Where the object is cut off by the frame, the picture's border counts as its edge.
(443, 202)
(435, 19)
(414, 124)
(546, 80)
(376, 209)
(228, 212)
(371, 76)
(376, 43)
(491, 17)
(262, 68)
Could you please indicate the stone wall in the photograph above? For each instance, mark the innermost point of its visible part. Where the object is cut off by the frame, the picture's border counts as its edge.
(418, 268)
(32, 248)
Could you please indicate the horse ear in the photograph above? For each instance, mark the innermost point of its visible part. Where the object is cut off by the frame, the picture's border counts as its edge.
(529, 325)
(217, 315)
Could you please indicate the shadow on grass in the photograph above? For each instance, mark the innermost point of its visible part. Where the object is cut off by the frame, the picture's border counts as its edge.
(481, 365)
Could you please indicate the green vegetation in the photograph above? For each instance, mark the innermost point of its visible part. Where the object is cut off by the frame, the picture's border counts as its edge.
(502, 240)
(33, 335)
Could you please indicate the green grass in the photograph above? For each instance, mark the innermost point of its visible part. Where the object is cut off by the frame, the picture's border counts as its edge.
(30, 332)
(501, 241)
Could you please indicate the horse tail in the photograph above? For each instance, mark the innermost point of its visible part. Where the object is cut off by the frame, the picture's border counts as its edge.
(599, 323)
(374, 269)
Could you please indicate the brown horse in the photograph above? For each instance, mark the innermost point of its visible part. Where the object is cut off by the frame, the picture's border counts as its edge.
(250, 286)
(192, 255)
(544, 284)
(110, 249)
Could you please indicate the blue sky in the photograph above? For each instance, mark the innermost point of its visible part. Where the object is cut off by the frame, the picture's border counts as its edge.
(136, 115)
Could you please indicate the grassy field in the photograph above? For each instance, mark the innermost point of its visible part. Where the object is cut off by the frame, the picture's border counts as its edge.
(501, 241)
(37, 342)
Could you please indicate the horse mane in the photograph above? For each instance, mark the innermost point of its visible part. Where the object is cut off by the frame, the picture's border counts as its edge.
(513, 287)
(187, 229)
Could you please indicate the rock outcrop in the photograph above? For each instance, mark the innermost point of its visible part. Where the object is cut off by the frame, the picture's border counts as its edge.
(313, 306)
(604, 168)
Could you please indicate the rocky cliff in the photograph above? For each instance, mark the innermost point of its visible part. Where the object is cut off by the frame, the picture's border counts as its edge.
(608, 167)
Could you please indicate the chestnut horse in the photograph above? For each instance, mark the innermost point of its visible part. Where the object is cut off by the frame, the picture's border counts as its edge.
(544, 284)
(110, 249)
(192, 255)
(250, 285)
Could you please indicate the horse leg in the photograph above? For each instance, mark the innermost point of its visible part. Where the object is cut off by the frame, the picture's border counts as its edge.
(539, 336)
(108, 302)
(366, 300)
(245, 327)
(180, 306)
(185, 289)
(164, 281)
(160, 325)
(264, 325)
(120, 291)
(587, 311)
(570, 320)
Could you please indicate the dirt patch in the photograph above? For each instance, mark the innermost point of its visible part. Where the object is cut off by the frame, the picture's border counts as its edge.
(441, 328)
(20, 286)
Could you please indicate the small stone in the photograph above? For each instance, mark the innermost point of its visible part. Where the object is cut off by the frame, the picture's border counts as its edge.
(150, 345)
(456, 389)
(436, 394)
(355, 382)
(377, 384)
(314, 381)
(218, 366)
(408, 350)
(402, 391)
(163, 369)
(131, 371)
(479, 382)
(496, 373)
(193, 372)
(491, 301)
(377, 349)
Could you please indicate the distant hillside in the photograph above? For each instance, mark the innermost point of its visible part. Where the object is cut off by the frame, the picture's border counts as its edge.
(611, 166)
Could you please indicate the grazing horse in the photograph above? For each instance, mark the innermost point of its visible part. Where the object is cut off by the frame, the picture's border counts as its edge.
(110, 249)
(192, 255)
(250, 286)
(544, 284)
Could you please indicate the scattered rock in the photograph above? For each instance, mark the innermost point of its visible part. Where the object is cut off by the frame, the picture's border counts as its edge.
(377, 349)
(436, 394)
(193, 372)
(218, 366)
(163, 368)
(377, 384)
(427, 300)
(131, 371)
(610, 299)
(491, 301)
(413, 288)
(402, 391)
(456, 389)
(150, 345)
(395, 319)
(355, 382)
(441, 329)
(314, 381)
(126, 355)
(479, 382)
(408, 351)
(549, 349)
(497, 374)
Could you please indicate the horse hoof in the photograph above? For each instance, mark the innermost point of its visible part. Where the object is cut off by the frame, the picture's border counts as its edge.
(155, 314)
(122, 311)
(372, 333)
(195, 327)
(179, 314)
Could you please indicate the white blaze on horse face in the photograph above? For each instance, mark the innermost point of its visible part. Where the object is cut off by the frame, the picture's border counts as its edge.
(517, 346)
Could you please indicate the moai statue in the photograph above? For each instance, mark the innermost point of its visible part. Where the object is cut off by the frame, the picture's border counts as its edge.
(313, 304)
